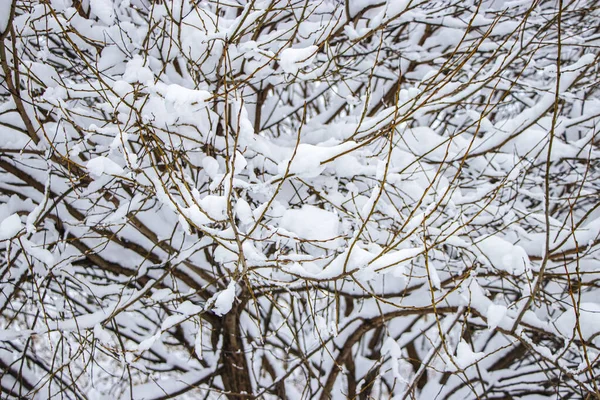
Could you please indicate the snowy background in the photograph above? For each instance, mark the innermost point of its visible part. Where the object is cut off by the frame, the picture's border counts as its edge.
(299, 199)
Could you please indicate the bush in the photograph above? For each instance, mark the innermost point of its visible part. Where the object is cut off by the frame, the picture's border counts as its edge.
(299, 199)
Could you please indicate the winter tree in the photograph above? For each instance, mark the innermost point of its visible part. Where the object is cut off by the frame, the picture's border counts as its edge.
(299, 199)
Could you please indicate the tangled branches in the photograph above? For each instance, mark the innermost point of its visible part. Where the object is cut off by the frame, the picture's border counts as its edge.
(299, 199)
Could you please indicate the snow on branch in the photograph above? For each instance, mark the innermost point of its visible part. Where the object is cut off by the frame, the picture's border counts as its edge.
(299, 199)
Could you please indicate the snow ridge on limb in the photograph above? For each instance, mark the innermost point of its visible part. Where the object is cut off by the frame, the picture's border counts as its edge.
(299, 199)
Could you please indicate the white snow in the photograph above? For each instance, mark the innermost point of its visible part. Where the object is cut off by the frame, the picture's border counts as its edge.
(244, 211)
(10, 226)
(188, 308)
(305, 169)
(196, 215)
(495, 314)
(5, 6)
(214, 206)
(198, 343)
(103, 165)
(38, 252)
(224, 300)
(292, 60)
(180, 95)
(311, 223)
(210, 166)
(504, 256)
(308, 159)
(400, 367)
(147, 343)
(102, 335)
(223, 255)
(395, 261)
(32, 217)
(154, 388)
(240, 163)
(589, 322)
(395, 7)
(465, 356)
(104, 10)
(137, 71)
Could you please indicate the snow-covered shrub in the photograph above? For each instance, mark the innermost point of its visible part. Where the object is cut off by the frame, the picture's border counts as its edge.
(299, 199)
